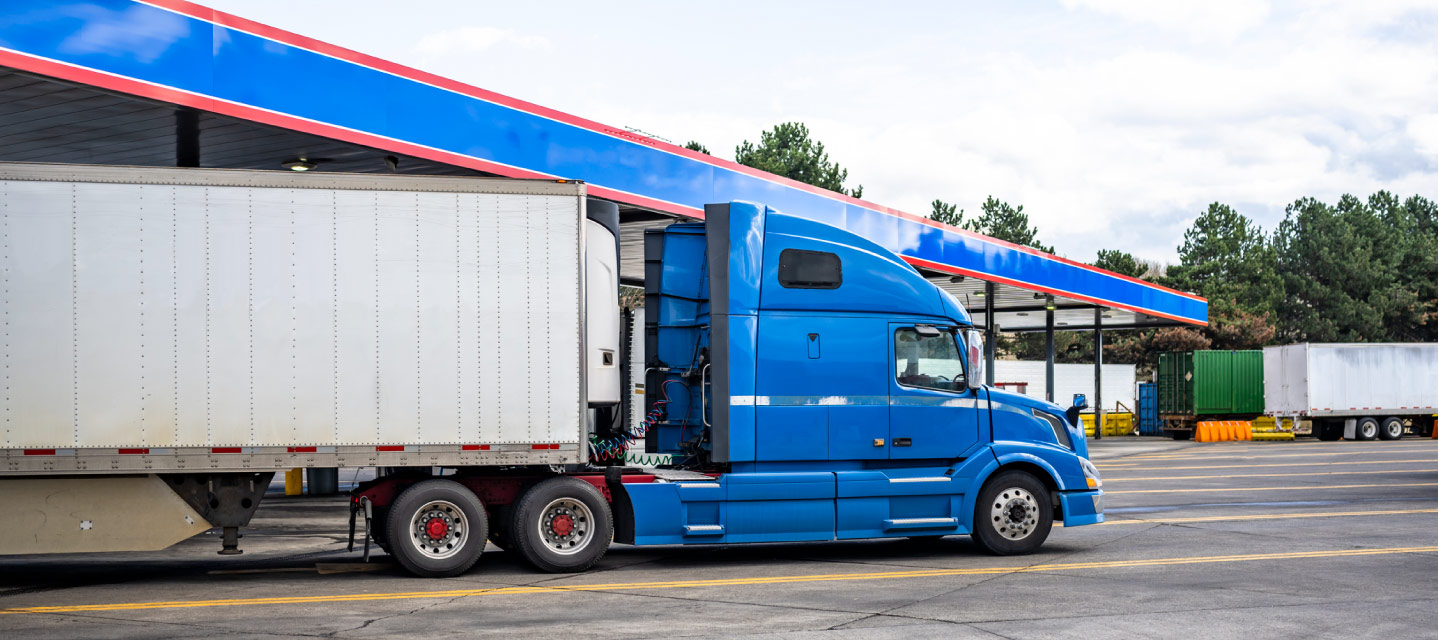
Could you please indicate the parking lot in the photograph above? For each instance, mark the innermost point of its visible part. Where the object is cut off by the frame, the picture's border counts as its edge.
(1260, 540)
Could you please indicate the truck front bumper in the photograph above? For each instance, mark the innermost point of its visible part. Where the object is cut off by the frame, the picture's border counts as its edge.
(1081, 507)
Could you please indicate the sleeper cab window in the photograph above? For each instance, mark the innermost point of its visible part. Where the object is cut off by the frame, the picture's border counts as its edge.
(802, 269)
(928, 357)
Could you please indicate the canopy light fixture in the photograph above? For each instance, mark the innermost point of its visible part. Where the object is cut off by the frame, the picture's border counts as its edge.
(1023, 313)
(956, 279)
(299, 164)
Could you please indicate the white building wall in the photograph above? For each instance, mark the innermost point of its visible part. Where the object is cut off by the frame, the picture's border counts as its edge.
(1118, 381)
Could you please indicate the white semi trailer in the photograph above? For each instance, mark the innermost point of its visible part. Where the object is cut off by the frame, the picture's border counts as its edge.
(1354, 391)
(173, 336)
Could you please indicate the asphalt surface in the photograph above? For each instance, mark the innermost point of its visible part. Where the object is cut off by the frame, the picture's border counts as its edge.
(1222, 540)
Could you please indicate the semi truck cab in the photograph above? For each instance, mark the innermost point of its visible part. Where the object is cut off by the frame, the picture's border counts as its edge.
(819, 388)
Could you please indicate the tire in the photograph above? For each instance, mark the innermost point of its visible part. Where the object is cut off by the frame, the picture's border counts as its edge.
(1327, 431)
(501, 528)
(437, 529)
(562, 525)
(1392, 429)
(379, 528)
(1014, 514)
(1367, 429)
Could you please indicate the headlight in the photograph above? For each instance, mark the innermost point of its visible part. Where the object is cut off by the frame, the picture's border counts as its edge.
(1090, 473)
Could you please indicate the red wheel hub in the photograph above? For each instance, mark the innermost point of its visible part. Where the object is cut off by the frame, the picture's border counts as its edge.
(436, 528)
(562, 525)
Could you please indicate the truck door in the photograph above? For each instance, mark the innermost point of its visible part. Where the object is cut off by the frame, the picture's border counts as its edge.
(932, 411)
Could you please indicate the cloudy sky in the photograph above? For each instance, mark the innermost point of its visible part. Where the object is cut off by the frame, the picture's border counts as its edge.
(1114, 122)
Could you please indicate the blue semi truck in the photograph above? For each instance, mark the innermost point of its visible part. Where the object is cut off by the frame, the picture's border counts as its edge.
(803, 383)
(807, 385)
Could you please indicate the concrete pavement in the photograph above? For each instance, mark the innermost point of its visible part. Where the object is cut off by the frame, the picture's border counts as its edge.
(1236, 539)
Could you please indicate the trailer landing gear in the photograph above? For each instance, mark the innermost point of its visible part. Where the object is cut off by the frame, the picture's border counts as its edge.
(225, 500)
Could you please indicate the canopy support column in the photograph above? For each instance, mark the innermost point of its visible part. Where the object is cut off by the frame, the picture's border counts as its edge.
(1098, 373)
(990, 334)
(1049, 355)
(187, 138)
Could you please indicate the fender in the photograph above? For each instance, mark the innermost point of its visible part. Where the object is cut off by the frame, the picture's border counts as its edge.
(981, 466)
(1049, 459)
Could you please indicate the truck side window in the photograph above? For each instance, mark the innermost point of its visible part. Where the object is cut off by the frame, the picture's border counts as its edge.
(800, 269)
(928, 361)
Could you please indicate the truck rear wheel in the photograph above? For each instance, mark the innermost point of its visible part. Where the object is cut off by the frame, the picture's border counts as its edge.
(379, 528)
(1392, 429)
(501, 528)
(437, 529)
(1013, 515)
(1367, 429)
(562, 525)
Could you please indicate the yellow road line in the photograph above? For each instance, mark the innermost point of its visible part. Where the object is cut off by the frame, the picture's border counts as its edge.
(1287, 488)
(692, 584)
(1250, 466)
(1304, 474)
(1250, 455)
(1268, 516)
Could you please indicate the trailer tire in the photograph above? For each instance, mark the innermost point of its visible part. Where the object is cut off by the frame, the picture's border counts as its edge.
(1367, 429)
(1013, 515)
(501, 528)
(1392, 429)
(437, 528)
(562, 525)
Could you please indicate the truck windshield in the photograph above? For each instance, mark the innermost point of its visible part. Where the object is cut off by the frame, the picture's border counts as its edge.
(929, 362)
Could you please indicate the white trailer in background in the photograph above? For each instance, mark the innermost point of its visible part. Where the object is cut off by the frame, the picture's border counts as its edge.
(1354, 391)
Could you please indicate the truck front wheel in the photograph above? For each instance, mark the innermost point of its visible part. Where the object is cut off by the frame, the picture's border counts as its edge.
(437, 529)
(1014, 514)
(562, 525)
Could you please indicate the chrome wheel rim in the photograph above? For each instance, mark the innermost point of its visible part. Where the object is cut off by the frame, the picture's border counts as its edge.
(566, 526)
(1369, 429)
(1014, 513)
(438, 530)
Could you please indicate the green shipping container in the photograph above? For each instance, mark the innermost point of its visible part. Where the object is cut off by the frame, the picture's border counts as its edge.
(1210, 382)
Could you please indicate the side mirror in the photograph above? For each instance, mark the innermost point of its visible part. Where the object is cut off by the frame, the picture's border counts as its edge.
(1080, 403)
(975, 339)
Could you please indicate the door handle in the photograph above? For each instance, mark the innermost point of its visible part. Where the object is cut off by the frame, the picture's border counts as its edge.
(903, 442)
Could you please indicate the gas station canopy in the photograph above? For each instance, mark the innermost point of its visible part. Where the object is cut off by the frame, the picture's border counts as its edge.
(171, 83)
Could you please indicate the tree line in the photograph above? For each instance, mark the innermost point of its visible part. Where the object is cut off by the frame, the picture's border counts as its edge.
(1356, 270)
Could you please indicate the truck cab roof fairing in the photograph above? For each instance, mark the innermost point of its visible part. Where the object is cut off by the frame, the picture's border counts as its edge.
(874, 279)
